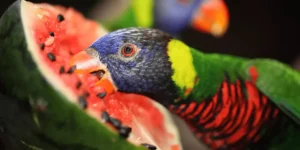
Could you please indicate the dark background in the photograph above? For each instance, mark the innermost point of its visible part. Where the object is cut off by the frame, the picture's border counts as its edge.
(258, 28)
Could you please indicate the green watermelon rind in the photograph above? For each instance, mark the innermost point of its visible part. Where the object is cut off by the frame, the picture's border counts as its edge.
(62, 125)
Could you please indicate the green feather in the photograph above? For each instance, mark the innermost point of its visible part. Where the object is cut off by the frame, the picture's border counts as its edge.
(210, 70)
(278, 81)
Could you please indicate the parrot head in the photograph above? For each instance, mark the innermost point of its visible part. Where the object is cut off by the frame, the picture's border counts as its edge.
(208, 16)
(132, 60)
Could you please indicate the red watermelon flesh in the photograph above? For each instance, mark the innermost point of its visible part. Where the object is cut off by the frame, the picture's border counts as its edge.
(54, 34)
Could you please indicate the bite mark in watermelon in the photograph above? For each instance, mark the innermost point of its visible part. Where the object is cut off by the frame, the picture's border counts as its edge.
(49, 36)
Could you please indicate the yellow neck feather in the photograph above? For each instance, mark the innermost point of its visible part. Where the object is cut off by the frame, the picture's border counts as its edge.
(182, 65)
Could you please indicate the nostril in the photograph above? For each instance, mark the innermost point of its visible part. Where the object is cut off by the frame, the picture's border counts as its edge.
(99, 74)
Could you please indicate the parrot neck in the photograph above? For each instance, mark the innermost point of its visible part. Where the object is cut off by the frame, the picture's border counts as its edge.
(184, 73)
(197, 75)
(212, 70)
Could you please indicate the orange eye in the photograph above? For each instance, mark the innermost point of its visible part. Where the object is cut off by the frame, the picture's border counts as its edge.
(128, 50)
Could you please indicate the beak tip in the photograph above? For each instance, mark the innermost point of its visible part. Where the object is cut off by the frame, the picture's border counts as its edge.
(107, 85)
(218, 30)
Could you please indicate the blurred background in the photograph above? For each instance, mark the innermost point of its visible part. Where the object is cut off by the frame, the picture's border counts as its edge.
(257, 28)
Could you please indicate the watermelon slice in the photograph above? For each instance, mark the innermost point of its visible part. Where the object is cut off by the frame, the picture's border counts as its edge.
(57, 108)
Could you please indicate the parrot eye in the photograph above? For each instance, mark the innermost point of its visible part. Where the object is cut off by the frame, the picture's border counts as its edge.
(128, 50)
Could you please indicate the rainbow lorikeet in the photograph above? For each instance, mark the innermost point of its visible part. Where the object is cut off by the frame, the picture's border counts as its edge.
(172, 16)
(229, 102)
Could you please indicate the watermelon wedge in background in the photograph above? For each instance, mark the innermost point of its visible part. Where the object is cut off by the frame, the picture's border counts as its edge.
(44, 105)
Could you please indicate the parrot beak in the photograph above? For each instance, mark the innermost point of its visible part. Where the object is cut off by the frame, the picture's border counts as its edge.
(88, 61)
(211, 17)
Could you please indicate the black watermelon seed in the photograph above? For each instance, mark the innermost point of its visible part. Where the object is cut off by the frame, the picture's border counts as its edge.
(101, 95)
(105, 116)
(124, 131)
(82, 102)
(86, 94)
(115, 122)
(149, 146)
(51, 34)
(42, 46)
(62, 70)
(72, 69)
(51, 56)
(78, 85)
(60, 17)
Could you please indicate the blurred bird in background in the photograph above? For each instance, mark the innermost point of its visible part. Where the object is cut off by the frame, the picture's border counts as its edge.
(172, 16)
(297, 63)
